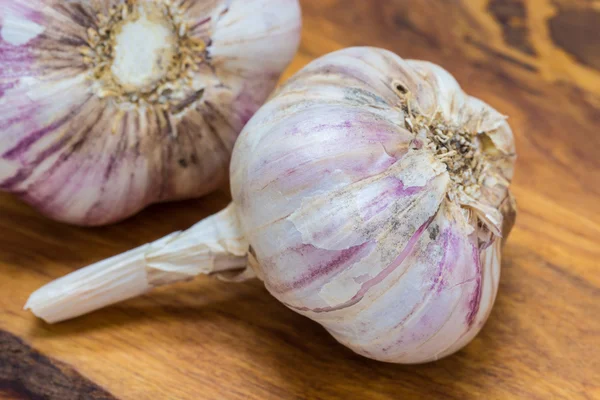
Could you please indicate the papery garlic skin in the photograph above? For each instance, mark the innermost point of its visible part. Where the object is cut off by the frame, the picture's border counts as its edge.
(91, 138)
(214, 245)
(353, 216)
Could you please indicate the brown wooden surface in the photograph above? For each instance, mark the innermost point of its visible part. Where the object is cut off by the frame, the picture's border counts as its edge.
(537, 61)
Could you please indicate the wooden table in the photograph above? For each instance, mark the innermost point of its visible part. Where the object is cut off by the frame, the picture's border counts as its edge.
(537, 61)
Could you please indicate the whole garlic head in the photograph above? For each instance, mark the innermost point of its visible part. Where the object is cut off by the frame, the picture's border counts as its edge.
(374, 192)
(370, 194)
(107, 106)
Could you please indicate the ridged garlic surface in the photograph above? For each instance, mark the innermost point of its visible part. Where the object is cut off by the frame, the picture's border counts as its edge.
(373, 192)
(370, 194)
(107, 106)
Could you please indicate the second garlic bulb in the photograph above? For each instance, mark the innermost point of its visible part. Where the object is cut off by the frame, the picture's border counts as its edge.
(108, 106)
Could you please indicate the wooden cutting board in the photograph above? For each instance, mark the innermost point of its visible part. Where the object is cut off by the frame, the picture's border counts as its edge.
(537, 61)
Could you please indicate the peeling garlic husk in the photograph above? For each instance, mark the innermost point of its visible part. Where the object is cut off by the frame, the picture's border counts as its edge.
(370, 194)
(108, 106)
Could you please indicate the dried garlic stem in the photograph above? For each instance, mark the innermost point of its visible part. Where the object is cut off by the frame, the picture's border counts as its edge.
(214, 245)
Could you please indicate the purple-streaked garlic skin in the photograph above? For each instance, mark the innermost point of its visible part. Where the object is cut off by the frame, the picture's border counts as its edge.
(356, 223)
(83, 156)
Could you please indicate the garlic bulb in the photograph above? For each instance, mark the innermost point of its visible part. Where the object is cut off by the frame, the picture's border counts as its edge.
(370, 194)
(107, 106)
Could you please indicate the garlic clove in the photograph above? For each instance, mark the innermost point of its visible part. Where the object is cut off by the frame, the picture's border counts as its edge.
(337, 155)
(106, 107)
(357, 225)
(432, 294)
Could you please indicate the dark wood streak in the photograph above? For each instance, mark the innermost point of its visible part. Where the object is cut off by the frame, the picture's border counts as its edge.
(506, 79)
(499, 55)
(512, 17)
(573, 279)
(400, 21)
(27, 374)
(576, 32)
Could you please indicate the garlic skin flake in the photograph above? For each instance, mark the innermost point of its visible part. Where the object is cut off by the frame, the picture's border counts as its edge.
(108, 106)
(371, 195)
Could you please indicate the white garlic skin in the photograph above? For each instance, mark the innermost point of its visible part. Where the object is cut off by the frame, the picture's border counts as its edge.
(351, 222)
(72, 151)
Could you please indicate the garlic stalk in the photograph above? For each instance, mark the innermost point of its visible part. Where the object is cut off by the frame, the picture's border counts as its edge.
(107, 106)
(213, 245)
(370, 194)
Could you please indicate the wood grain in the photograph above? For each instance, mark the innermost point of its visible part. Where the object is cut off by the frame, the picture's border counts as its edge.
(26, 373)
(537, 61)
